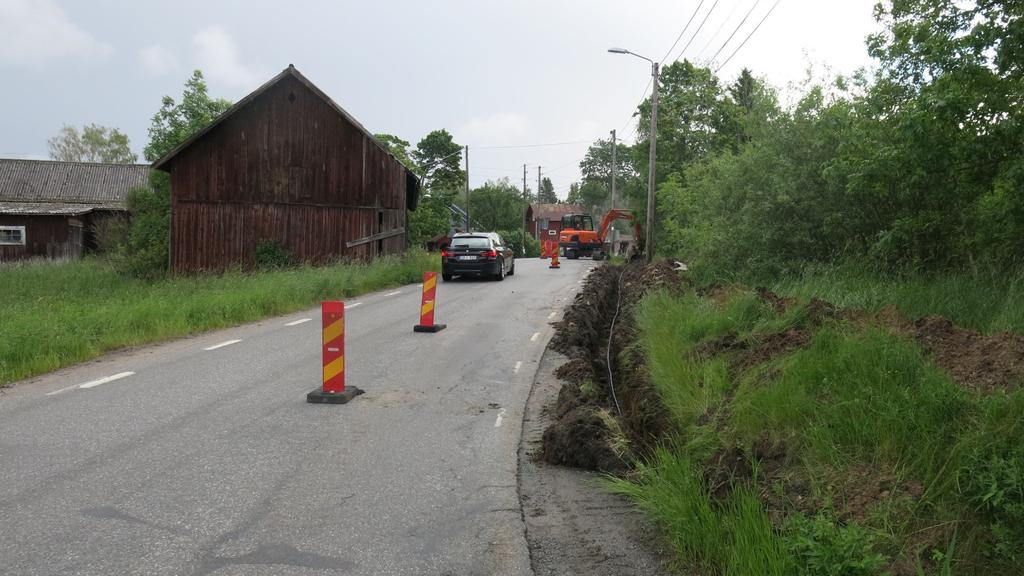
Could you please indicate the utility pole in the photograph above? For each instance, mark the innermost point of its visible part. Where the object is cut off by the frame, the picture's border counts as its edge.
(538, 183)
(614, 147)
(467, 188)
(649, 244)
(614, 232)
(526, 208)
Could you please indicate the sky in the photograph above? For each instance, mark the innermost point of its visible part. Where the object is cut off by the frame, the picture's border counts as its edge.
(520, 82)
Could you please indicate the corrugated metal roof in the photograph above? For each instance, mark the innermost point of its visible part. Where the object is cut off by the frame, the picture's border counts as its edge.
(49, 208)
(52, 208)
(50, 181)
(555, 211)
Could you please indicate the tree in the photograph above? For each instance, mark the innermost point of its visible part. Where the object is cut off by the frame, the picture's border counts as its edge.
(439, 161)
(597, 163)
(399, 149)
(497, 205)
(176, 122)
(593, 194)
(93, 144)
(574, 196)
(547, 195)
(146, 253)
(694, 118)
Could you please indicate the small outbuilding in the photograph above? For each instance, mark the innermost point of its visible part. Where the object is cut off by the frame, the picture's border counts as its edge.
(544, 221)
(285, 165)
(51, 209)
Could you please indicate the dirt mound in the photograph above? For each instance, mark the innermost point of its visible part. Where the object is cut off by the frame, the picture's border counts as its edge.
(976, 361)
(581, 436)
(778, 303)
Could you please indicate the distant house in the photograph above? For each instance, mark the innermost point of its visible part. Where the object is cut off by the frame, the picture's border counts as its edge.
(544, 221)
(49, 209)
(285, 165)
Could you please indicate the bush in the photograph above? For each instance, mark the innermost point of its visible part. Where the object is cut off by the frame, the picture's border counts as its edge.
(111, 233)
(514, 238)
(823, 547)
(271, 254)
(147, 251)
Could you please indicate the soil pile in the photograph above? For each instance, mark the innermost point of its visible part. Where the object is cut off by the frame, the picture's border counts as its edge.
(976, 361)
(594, 413)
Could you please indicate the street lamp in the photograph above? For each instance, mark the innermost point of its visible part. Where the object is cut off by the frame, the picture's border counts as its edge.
(649, 241)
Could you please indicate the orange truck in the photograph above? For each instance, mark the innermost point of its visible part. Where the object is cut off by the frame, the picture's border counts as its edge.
(578, 237)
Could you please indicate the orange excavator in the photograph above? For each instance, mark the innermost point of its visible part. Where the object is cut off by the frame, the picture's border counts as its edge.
(578, 237)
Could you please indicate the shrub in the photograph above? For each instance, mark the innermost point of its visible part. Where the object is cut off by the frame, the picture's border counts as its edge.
(271, 254)
(146, 253)
(822, 547)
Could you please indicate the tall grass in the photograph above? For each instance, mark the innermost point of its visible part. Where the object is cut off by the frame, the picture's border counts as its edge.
(854, 399)
(989, 301)
(57, 314)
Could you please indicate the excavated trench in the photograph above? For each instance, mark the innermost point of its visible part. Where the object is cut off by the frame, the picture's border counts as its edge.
(599, 413)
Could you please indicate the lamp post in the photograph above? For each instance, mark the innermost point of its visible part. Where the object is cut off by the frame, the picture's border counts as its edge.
(649, 241)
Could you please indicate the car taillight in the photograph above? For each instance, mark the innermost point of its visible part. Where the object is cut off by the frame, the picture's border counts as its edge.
(447, 254)
(489, 254)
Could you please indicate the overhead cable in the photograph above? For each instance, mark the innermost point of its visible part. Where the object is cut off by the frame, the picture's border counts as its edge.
(738, 48)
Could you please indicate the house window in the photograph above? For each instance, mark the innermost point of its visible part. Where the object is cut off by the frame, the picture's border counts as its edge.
(12, 235)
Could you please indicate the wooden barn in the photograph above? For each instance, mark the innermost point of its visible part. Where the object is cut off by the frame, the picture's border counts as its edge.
(544, 221)
(50, 209)
(286, 165)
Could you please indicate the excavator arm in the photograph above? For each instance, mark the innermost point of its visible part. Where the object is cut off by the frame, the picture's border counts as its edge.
(619, 214)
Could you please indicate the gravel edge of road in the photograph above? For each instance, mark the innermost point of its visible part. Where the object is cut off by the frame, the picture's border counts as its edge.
(573, 526)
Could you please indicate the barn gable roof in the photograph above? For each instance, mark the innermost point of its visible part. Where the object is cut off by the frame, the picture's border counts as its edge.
(292, 72)
(554, 211)
(68, 188)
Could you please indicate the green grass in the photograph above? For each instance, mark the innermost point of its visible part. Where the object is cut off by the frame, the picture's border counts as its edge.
(854, 399)
(58, 314)
(990, 301)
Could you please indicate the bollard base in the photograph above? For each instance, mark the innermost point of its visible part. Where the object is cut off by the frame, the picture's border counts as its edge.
(318, 396)
(555, 267)
(429, 327)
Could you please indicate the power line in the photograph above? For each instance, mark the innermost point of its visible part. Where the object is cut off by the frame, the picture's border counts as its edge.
(692, 38)
(729, 39)
(717, 31)
(642, 98)
(531, 145)
(678, 38)
(738, 48)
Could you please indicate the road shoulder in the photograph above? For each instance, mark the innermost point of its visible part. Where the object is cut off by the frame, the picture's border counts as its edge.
(573, 526)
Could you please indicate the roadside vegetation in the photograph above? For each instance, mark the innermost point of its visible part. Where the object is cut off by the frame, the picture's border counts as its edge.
(864, 416)
(58, 314)
(810, 440)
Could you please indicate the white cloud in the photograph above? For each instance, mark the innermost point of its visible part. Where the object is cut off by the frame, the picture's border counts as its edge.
(34, 32)
(217, 56)
(501, 129)
(157, 60)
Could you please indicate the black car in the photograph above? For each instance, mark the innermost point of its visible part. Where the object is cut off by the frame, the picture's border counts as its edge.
(477, 254)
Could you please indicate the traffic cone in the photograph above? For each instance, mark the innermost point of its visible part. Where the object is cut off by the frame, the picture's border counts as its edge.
(554, 259)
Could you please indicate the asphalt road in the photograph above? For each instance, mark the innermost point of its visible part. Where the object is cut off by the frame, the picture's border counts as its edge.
(210, 461)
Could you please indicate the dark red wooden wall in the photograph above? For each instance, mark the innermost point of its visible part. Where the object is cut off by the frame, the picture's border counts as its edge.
(286, 167)
(45, 236)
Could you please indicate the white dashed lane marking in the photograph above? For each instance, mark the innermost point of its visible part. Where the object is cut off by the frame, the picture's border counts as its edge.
(93, 383)
(222, 344)
(395, 293)
(535, 336)
(297, 322)
(96, 383)
(518, 366)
